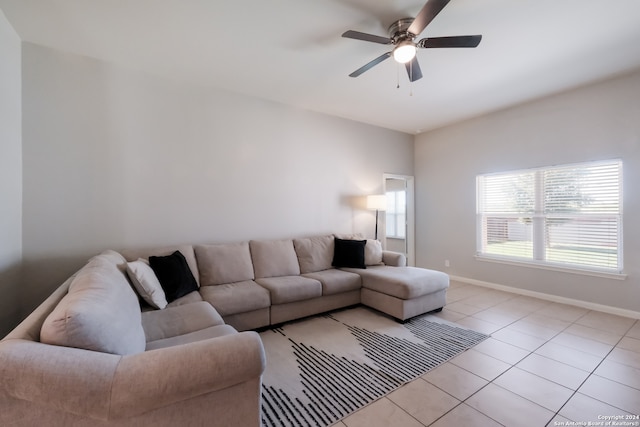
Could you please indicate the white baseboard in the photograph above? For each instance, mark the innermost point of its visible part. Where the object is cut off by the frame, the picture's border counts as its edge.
(553, 298)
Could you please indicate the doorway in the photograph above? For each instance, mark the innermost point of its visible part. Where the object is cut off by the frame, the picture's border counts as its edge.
(399, 220)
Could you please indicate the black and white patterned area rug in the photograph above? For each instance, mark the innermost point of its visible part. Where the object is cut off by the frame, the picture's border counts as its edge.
(323, 368)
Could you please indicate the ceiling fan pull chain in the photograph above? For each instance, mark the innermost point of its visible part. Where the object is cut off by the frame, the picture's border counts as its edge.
(398, 76)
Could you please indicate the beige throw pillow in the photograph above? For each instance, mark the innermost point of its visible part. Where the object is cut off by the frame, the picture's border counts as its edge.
(373, 252)
(146, 283)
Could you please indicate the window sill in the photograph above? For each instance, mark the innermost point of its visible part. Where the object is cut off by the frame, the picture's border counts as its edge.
(595, 273)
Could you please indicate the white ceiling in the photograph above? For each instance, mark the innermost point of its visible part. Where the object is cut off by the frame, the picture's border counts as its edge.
(291, 51)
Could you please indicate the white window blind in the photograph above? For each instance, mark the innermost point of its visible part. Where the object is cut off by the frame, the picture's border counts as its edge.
(396, 214)
(567, 216)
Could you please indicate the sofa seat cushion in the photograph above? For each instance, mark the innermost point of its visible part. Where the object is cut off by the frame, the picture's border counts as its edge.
(336, 281)
(195, 336)
(224, 263)
(314, 253)
(189, 298)
(274, 258)
(180, 320)
(291, 288)
(100, 312)
(402, 282)
(234, 298)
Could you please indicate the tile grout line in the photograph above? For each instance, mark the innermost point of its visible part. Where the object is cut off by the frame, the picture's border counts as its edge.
(574, 322)
(499, 375)
(593, 373)
(557, 413)
(574, 392)
(530, 353)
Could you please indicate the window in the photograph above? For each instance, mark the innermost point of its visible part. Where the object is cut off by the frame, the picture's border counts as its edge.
(396, 214)
(563, 216)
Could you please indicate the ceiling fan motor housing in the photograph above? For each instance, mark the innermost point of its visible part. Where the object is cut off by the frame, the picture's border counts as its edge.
(398, 31)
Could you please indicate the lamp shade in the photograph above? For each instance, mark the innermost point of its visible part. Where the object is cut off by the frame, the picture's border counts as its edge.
(377, 202)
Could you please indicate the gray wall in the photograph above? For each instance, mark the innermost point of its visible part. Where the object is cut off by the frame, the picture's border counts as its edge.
(10, 175)
(114, 158)
(111, 158)
(601, 121)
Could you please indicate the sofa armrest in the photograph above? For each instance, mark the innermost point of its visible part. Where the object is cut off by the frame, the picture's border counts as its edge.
(394, 259)
(158, 378)
(63, 378)
(106, 386)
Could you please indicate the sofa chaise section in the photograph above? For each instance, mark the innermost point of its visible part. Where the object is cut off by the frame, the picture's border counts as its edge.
(403, 292)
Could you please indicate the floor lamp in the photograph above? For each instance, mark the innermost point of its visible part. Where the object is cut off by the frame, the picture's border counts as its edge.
(379, 203)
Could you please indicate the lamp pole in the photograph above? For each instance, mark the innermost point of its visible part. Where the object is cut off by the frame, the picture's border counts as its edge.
(379, 203)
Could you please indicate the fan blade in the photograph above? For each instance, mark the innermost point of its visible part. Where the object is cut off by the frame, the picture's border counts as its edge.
(413, 69)
(371, 64)
(426, 15)
(366, 37)
(454, 41)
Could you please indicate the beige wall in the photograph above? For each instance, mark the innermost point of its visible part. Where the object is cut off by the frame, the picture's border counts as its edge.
(10, 175)
(601, 121)
(114, 158)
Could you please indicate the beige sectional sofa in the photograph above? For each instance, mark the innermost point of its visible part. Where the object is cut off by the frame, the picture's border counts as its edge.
(261, 283)
(95, 354)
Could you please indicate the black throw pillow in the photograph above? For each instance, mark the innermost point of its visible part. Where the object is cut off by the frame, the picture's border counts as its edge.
(174, 275)
(349, 253)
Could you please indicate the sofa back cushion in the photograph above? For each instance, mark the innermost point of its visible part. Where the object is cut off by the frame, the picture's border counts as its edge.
(224, 263)
(274, 258)
(314, 253)
(100, 312)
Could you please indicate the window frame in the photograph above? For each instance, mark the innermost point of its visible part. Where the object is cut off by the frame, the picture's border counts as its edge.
(538, 216)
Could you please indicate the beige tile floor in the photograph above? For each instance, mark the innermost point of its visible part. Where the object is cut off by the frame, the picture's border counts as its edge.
(546, 364)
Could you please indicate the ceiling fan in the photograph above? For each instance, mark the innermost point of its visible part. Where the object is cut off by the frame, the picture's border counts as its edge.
(402, 35)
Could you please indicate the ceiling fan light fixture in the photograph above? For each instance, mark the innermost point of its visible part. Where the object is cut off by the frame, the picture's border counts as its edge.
(404, 52)
(402, 35)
